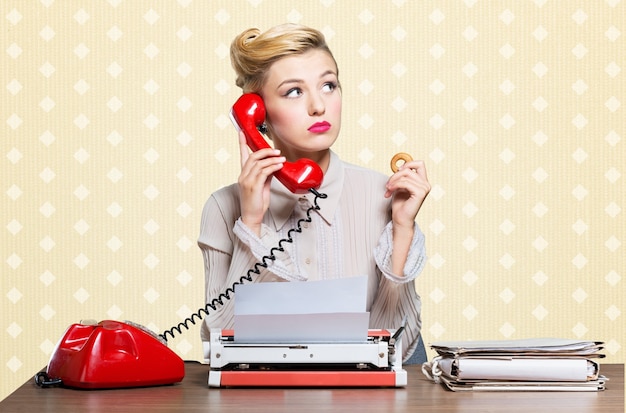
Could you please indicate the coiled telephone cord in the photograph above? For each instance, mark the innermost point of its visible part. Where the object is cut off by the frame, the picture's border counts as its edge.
(256, 269)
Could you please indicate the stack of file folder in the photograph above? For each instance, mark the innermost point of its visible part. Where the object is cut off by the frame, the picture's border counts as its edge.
(538, 364)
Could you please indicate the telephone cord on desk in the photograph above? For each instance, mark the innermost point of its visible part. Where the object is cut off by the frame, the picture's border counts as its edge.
(256, 269)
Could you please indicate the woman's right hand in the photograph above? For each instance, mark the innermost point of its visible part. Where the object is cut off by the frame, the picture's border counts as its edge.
(254, 182)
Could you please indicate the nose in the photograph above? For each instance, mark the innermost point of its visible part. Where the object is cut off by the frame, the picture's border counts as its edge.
(317, 105)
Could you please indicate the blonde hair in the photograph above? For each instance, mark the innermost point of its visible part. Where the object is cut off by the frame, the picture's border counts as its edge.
(253, 52)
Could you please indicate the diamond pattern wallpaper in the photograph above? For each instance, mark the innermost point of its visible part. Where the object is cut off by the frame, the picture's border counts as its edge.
(115, 130)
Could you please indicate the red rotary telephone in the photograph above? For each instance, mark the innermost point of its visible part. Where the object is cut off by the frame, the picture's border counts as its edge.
(111, 354)
(247, 114)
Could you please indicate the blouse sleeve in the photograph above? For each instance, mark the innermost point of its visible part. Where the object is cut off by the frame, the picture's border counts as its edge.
(227, 261)
(414, 262)
(264, 247)
(396, 296)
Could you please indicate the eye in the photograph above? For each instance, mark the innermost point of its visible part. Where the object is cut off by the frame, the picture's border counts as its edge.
(293, 93)
(329, 87)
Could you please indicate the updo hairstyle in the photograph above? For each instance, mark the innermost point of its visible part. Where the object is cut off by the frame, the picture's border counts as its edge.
(252, 52)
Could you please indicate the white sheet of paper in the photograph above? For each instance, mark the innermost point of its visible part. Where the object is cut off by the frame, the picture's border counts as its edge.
(302, 328)
(314, 311)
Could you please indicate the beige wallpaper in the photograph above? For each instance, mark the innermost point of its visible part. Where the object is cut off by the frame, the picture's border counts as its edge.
(115, 131)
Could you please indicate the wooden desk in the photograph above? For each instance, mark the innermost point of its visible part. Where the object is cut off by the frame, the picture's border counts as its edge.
(421, 395)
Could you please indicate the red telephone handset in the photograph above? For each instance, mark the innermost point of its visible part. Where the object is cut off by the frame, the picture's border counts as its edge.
(247, 114)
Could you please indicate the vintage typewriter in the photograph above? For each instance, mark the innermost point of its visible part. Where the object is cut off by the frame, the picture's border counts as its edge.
(282, 337)
(375, 362)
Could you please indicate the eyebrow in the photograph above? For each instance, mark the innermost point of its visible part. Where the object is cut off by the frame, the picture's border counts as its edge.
(299, 81)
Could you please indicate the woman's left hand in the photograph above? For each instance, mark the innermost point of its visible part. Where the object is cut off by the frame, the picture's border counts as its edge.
(408, 188)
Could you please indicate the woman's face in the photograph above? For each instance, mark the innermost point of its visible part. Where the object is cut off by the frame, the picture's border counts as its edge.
(303, 103)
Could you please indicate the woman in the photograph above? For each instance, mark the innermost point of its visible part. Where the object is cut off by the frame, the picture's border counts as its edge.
(365, 225)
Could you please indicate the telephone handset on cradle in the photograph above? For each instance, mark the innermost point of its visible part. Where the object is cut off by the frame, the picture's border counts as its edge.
(111, 354)
(248, 114)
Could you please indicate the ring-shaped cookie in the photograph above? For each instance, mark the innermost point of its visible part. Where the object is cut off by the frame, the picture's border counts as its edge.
(400, 156)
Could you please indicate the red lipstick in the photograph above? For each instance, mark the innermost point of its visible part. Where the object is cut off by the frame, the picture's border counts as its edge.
(319, 127)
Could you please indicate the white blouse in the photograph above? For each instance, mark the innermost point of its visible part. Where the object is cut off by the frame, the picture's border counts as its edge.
(350, 235)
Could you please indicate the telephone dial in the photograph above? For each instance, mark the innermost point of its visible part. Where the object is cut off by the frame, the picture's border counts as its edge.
(248, 115)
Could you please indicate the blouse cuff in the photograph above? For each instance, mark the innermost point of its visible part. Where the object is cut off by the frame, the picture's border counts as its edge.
(414, 263)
